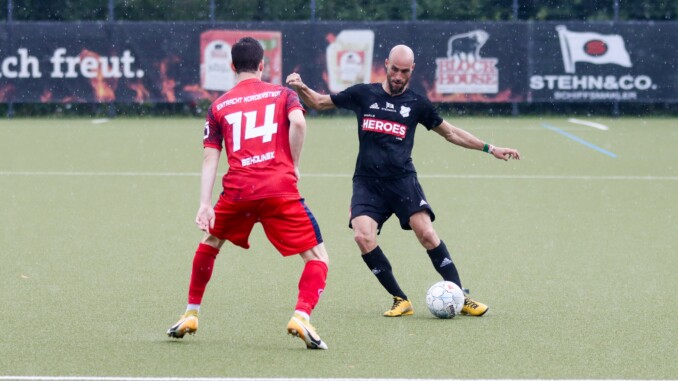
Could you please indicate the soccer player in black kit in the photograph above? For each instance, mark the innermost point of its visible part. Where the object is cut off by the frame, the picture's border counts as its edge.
(385, 181)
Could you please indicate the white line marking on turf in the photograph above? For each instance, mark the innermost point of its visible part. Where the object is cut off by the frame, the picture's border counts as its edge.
(100, 121)
(589, 124)
(347, 176)
(550, 177)
(123, 174)
(84, 378)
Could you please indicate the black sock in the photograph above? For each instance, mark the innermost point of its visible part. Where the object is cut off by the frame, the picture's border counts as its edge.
(443, 264)
(377, 262)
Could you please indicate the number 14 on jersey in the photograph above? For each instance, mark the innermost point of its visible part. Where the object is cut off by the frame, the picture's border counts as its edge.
(252, 131)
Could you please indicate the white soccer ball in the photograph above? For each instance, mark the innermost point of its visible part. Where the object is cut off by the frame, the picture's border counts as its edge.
(445, 300)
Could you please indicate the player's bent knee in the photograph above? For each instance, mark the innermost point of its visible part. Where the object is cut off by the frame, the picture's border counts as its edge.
(318, 253)
(366, 244)
(213, 241)
(428, 238)
(363, 238)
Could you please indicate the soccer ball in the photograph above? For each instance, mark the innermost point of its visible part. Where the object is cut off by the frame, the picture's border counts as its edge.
(445, 300)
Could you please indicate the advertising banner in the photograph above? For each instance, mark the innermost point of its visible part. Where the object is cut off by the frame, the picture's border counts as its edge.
(215, 57)
(476, 62)
(454, 62)
(187, 62)
(602, 62)
(349, 58)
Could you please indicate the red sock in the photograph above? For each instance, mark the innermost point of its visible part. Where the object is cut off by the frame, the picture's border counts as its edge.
(311, 285)
(203, 263)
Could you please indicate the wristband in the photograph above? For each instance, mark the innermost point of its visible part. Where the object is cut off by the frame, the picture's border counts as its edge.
(489, 148)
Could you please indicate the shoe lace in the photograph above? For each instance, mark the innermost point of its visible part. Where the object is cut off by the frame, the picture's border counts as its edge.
(470, 303)
(396, 302)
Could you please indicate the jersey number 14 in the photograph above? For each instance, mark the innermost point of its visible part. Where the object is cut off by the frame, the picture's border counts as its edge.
(252, 131)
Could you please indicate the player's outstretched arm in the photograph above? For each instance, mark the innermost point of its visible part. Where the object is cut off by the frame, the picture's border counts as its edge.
(462, 138)
(310, 97)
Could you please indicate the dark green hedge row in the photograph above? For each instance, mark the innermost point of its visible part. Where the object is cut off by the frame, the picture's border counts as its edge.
(295, 10)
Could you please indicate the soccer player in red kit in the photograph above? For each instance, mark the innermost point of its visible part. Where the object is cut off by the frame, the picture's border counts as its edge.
(262, 127)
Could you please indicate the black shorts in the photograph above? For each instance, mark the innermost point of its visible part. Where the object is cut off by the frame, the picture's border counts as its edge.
(379, 199)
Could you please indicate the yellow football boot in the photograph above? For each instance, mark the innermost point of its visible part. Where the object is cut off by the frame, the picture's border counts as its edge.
(473, 308)
(401, 307)
(300, 327)
(187, 324)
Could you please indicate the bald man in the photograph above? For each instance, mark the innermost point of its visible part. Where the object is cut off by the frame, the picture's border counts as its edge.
(385, 181)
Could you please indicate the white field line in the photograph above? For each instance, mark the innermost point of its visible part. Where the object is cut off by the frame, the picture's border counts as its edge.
(85, 378)
(339, 175)
(120, 174)
(589, 124)
(100, 121)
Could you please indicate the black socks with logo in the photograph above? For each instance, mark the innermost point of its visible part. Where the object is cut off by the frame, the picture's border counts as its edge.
(377, 262)
(443, 264)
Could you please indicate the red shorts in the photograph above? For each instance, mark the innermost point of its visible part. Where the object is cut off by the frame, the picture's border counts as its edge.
(288, 223)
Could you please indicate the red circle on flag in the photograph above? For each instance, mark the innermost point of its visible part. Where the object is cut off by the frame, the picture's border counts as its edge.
(595, 48)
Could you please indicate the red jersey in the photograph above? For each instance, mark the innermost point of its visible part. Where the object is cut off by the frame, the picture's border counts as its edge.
(251, 121)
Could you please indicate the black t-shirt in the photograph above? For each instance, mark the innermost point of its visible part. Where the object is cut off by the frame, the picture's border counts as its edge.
(386, 127)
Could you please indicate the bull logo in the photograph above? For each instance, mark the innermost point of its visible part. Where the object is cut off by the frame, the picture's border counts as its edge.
(464, 71)
(466, 47)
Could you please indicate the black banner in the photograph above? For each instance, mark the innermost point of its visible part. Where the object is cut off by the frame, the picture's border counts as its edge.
(584, 62)
(455, 62)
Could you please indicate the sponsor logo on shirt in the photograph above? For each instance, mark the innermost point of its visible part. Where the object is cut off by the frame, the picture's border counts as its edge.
(388, 107)
(384, 127)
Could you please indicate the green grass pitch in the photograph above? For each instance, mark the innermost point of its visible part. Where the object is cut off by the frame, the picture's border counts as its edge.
(574, 251)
